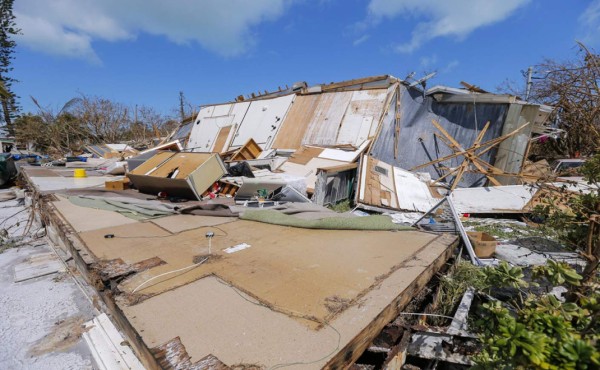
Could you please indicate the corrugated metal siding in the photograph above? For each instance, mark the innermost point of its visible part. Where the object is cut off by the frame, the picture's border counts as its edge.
(262, 121)
(417, 144)
(512, 151)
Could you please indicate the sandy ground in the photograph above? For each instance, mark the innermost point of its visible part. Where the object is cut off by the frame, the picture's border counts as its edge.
(34, 311)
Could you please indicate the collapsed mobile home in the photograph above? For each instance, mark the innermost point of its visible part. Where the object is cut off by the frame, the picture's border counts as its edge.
(216, 283)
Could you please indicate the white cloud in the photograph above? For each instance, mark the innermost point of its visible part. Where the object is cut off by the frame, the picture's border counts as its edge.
(360, 40)
(69, 27)
(427, 62)
(439, 18)
(450, 66)
(590, 22)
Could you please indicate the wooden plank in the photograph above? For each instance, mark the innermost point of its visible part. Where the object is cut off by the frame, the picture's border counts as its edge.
(489, 145)
(354, 349)
(172, 355)
(305, 154)
(397, 356)
(222, 139)
(342, 168)
(358, 81)
(296, 122)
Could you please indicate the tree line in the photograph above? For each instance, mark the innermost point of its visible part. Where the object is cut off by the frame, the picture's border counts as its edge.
(90, 120)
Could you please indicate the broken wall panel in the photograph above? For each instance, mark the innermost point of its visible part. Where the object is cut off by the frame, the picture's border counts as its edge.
(363, 112)
(346, 117)
(511, 152)
(323, 128)
(494, 199)
(209, 132)
(262, 121)
(385, 186)
(335, 184)
(296, 122)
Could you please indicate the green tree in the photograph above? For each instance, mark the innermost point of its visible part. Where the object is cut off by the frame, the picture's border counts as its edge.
(8, 29)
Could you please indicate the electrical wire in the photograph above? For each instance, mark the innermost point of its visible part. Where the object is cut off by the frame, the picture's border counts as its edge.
(14, 214)
(169, 272)
(296, 315)
(111, 236)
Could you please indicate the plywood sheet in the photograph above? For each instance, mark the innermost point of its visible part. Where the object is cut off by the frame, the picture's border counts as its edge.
(211, 317)
(305, 154)
(296, 269)
(86, 219)
(296, 122)
(221, 142)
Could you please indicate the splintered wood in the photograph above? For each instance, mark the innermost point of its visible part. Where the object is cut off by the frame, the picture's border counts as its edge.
(173, 356)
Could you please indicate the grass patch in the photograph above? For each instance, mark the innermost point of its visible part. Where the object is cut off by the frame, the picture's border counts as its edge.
(341, 207)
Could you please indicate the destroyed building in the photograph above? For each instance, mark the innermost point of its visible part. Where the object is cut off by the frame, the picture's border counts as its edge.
(214, 250)
(381, 122)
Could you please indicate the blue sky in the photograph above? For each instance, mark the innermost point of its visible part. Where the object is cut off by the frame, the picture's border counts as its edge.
(146, 51)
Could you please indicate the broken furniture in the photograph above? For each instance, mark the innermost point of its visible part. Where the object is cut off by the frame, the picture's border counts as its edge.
(184, 174)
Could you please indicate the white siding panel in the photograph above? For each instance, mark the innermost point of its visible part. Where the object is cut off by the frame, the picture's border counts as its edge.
(412, 193)
(196, 133)
(365, 108)
(210, 120)
(494, 199)
(221, 110)
(262, 121)
(323, 129)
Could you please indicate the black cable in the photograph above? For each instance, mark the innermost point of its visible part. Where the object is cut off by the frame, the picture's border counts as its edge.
(111, 236)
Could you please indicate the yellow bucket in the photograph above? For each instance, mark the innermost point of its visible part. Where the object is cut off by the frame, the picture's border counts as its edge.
(79, 173)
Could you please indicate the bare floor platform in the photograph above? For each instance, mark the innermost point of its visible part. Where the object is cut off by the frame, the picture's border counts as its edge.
(312, 298)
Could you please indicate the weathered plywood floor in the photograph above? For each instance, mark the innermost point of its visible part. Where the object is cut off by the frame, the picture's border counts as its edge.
(314, 273)
(265, 304)
(211, 317)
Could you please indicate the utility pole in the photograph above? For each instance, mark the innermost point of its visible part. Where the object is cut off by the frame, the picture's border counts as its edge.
(181, 106)
(528, 87)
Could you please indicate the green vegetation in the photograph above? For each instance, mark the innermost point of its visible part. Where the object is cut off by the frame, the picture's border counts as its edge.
(532, 330)
(571, 225)
(341, 207)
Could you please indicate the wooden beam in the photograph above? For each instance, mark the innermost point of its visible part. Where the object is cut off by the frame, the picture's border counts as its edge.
(398, 353)
(354, 349)
(487, 146)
